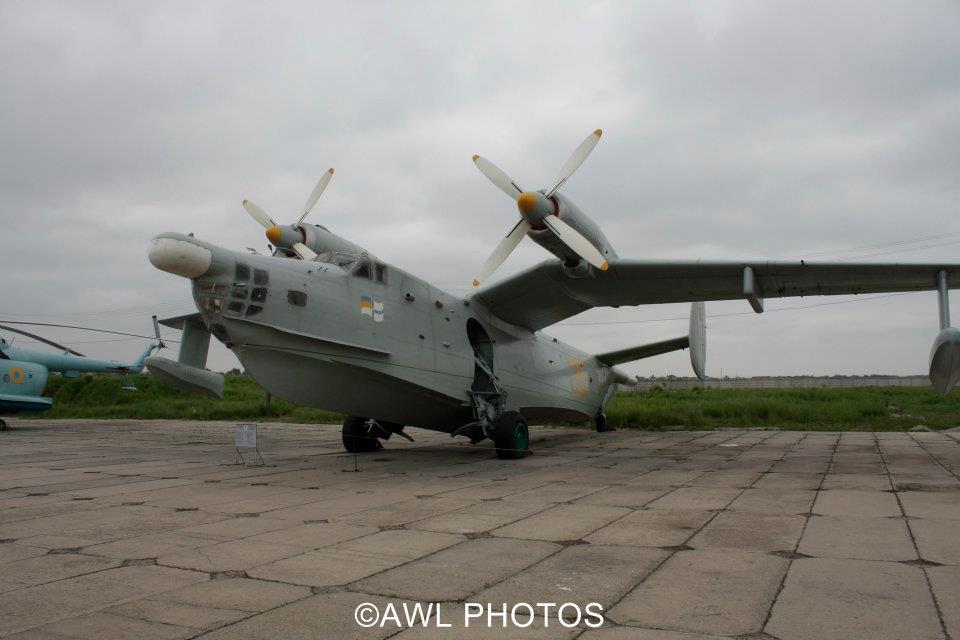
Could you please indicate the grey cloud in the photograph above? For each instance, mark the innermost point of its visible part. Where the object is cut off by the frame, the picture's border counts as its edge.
(740, 129)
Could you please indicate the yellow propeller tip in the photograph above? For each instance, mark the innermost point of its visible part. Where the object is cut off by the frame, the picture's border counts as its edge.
(476, 282)
(475, 158)
(598, 132)
(330, 170)
(245, 202)
(604, 266)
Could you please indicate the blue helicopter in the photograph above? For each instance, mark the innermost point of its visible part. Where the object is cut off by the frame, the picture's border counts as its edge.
(23, 373)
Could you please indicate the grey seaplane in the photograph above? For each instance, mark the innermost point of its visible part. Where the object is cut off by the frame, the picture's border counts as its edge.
(324, 323)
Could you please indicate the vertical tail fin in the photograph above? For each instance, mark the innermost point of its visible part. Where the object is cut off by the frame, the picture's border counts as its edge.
(137, 365)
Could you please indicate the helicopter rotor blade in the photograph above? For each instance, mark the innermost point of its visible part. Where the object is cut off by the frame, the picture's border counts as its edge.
(156, 331)
(42, 339)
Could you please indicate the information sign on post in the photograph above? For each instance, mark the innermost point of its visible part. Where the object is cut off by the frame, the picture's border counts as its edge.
(245, 439)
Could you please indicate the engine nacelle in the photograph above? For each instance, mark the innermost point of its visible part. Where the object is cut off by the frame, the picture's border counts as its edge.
(321, 240)
(577, 270)
(573, 216)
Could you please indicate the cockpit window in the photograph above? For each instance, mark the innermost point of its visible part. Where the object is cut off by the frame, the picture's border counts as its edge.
(362, 270)
(382, 274)
(342, 260)
(297, 298)
(241, 273)
(261, 277)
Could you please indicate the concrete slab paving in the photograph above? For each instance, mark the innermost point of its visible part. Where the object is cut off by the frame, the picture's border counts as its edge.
(750, 532)
(679, 535)
(711, 592)
(580, 573)
(458, 572)
(858, 538)
(946, 589)
(855, 599)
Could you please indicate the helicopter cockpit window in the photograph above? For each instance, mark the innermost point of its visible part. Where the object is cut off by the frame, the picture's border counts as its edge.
(241, 273)
(363, 270)
(382, 274)
(261, 277)
(342, 260)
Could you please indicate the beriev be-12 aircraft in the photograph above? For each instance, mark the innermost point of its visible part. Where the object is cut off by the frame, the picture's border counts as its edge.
(337, 328)
(23, 372)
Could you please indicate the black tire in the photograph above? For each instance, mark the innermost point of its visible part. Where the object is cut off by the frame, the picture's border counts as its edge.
(601, 422)
(511, 436)
(356, 438)
(3, 425)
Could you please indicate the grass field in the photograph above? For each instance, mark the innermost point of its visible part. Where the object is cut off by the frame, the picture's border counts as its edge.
(871, 409)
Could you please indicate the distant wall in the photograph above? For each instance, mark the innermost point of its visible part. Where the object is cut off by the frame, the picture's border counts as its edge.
(778, 383)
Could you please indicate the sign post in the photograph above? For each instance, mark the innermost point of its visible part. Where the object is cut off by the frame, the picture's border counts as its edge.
(245, 439)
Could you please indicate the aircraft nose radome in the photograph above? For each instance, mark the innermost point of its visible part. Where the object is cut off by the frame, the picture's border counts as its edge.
(179, 257)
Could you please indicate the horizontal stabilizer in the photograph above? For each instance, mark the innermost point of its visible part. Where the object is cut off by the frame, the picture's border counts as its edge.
(612, 358)
(696, 340)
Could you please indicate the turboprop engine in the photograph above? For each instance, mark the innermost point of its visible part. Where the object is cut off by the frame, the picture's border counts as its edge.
(299, 240)
(552, 221)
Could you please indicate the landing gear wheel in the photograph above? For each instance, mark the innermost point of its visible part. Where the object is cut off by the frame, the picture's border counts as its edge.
(601, 422)
(356, 436)
(3, 425)
(511, 436)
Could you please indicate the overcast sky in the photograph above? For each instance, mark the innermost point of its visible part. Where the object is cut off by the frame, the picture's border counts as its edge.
(731, 130)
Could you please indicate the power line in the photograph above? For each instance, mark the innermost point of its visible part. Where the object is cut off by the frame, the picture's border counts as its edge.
(68, 326)
(737, 313)
(939, 236)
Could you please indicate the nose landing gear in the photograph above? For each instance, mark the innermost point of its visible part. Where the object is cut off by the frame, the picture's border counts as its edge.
(357, 437)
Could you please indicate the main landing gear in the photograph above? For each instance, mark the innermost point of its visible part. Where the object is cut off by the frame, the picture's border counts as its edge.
(601, 422)
(3, 425)
(363, 435)
(511, 436)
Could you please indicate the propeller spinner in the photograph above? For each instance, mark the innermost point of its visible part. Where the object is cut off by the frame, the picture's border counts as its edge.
(537, 211)
(290, 237)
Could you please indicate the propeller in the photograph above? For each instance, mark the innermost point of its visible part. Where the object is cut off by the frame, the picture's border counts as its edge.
(537, 211)
(290, 237)
(42, 339)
